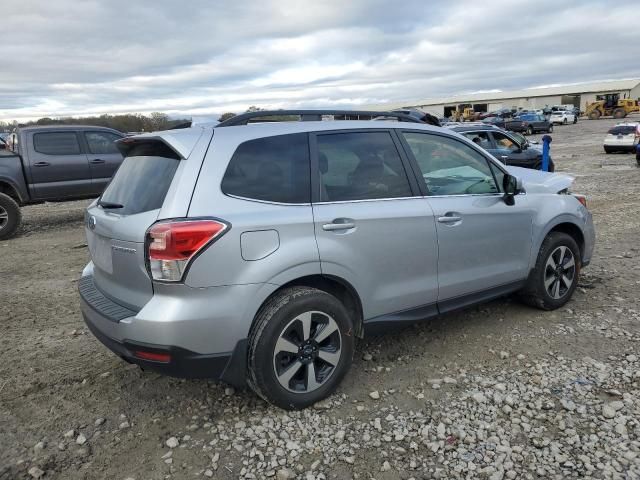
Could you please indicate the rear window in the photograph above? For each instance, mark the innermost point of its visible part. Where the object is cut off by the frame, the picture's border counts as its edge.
(142, 181)
(273, 169)
(56, 143)
(623, 130)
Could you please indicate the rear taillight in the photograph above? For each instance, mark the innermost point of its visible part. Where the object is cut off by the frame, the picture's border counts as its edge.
(173, 244)
(582, 199)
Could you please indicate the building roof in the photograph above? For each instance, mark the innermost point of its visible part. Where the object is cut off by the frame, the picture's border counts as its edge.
(549, 90)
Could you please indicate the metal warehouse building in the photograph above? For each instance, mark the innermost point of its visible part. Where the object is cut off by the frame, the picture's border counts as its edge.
(531, 98)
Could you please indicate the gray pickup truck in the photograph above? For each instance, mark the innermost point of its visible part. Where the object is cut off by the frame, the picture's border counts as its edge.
(54, 163)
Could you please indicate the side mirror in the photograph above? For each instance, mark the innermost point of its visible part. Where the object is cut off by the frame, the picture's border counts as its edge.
(512, 186)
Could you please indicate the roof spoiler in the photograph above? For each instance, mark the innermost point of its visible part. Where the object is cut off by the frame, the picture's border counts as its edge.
(181, 142)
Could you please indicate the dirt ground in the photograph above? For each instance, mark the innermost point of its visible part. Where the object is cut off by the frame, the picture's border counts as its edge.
(70, 409)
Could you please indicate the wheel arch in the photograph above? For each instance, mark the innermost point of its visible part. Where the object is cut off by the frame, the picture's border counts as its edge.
(9, 189)
(336, 286)
(567, 226)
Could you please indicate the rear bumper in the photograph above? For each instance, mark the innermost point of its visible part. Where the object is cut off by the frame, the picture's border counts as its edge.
(183, 363)
(202, 330)
(621, 147)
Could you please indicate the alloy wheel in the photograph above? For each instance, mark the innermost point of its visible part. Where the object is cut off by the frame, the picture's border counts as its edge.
(307, 352)
(4, 217)
(559, 272)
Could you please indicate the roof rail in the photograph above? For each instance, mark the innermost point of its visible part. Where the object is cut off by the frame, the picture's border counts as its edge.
(314, 115)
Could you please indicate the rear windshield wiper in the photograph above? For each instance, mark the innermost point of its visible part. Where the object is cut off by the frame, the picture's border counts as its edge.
(109, 204)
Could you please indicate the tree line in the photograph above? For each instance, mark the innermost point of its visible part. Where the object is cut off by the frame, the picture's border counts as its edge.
(131, 122)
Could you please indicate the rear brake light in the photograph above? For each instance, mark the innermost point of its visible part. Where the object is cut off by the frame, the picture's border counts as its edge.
(153, 356)
(172, 245)
(582, 199)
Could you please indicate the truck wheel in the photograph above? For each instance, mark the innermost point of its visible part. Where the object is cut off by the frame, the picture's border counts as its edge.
(554, 278)
(10, 216)
(300, 347)
(619, 113)
(595, 115)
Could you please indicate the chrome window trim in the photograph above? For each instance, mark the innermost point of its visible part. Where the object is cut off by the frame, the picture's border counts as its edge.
(269, 202)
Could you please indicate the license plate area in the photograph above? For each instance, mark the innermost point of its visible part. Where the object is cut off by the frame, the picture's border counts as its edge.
(100, 249)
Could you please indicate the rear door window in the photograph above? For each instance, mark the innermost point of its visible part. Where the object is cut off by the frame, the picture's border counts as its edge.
(102, 143)
(360, 166)
(272, 169)
(56, 143)
(479, 138)
(142, 181)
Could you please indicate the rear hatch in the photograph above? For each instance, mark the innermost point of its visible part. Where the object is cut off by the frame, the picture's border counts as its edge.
(117, 222)
(623, 135)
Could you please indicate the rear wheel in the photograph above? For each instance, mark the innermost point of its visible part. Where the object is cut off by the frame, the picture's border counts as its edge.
(529, 130)
(595, 115)
(565, 121)
(608, 149)
(300, 347)
(10, 216)
(555, 275)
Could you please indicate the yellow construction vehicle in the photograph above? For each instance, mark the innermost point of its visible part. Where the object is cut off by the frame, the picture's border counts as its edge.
(611, 105)
(464, 113)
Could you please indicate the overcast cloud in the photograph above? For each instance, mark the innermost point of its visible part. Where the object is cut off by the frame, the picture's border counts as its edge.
(201, 57)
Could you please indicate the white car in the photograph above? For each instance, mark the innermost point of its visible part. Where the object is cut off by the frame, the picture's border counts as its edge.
(563, 116)
(624, 137)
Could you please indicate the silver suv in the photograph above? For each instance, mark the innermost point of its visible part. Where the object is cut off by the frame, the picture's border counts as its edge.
(256, 253)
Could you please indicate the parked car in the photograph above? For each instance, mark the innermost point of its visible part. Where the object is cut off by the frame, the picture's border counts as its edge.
(624, 137)
(496, 121)
(563, 116)
(3, 142)
(505, 147)
(259, 253)
(54, 163)
(529, 124)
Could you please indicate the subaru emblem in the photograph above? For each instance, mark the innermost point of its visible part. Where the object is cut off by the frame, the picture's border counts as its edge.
(91, 223)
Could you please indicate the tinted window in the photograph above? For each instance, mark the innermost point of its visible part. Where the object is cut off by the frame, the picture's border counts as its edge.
(450, 167)
(623, 130)
(274, 169)
(143, 179)
(479, 138)
(360, 166)
(56, 143)
(102, 142)
(503, 142)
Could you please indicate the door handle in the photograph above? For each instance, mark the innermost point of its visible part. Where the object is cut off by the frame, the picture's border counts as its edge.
(450, 219)
(97, 161)
(331, 227)
(41, 164)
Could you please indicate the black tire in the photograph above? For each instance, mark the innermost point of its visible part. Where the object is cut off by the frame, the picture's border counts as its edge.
(595, 115)
(10, 216)
(608, 150)
(535, 293)
(529, 130)
(575, 119)
(619, 113)
(638, 159)
(550, 130)
(272, 322)
(565, 121)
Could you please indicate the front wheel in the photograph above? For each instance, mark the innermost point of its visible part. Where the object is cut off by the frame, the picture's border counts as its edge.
(300, 347)
(555, 276)
(529, 130)
(10, 216)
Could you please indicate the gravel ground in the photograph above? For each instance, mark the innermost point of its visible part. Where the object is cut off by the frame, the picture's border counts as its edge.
(500, 391)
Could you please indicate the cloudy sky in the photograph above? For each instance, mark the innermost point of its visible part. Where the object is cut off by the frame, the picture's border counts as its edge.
(203, 57)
